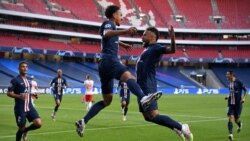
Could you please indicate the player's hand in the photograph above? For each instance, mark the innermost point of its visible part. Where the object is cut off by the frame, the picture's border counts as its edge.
(226, 98)
(242, 100)
(172, 37)
(132, 31)
(171, 32)
(128, 47)
(35, 95)
(22, 96)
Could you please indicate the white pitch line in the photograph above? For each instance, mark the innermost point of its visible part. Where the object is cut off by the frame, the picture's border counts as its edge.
(108, 128)
(131, 112)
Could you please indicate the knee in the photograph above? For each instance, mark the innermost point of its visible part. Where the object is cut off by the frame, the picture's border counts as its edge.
(237, 120)
(107, 102)
(58, 104)
(126, 76)
(230, 118)
(38, 123)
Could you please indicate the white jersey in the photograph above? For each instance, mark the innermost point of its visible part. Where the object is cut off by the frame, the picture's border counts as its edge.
(88, 84)
(33, 86)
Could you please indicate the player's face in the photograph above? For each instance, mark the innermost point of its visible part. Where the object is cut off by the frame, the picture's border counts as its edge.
(229, 76)
(147, 38)
(23, 69)
(118, 17)
(59, 74)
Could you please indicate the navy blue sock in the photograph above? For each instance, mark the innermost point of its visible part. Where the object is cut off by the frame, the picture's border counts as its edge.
(125, 111)
(56, 108)
(19, 135)
(135, 88)
(31, 127)
(94, 110)
(167, 122)
(230, 127)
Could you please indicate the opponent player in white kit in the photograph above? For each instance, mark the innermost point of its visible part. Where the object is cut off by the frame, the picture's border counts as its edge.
(88, 97)
(34, 89)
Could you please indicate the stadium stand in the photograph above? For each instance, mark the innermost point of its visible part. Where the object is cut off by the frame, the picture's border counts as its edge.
(196, 13)
(202, 52)
(234, 13)
(174, 78)
(241, 73)
(36, 6)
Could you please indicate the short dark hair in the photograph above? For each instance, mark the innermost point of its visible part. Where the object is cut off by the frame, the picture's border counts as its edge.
(231, 72)
(155, 31)
(110, 10)
(88, 76)
(23, 62)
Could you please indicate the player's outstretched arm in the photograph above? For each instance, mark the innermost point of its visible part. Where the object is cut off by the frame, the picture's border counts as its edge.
(245, 94)
(110, 33)
(172, 48)
(128, 47)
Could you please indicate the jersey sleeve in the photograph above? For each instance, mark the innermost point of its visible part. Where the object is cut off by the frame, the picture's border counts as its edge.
(12, 85)
(106, 26)
(52, 82)
(160, 50)
(243, 87)
(65, 82)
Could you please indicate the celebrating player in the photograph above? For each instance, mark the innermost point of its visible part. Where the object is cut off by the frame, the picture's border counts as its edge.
(145, 69)
(110, 67)
(19, 89)
(58, 84)
(235, 101)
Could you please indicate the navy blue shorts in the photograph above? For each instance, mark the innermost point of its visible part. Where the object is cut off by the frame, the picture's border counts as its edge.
(58, 97)
(125, 97)
(108, 70)
(21, 116)
(234, 110)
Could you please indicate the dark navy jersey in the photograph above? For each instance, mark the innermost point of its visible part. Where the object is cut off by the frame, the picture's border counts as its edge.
(109, 45)
(235, 92)
(124, 90)
(145, 67)
(123, 85)
(19, 86)
(58, 84)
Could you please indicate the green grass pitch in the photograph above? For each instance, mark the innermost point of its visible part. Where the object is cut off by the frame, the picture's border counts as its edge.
(206, 115)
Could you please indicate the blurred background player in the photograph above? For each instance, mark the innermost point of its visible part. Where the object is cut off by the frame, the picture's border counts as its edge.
(19, 89)
(110, 68)
(88, 97)
(235, 102)
(124, 97)
(34, 89)
(58, 84)
(146, 71)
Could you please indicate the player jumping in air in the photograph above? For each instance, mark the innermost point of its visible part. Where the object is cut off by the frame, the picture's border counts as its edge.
(109, 67)
(145, 69)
